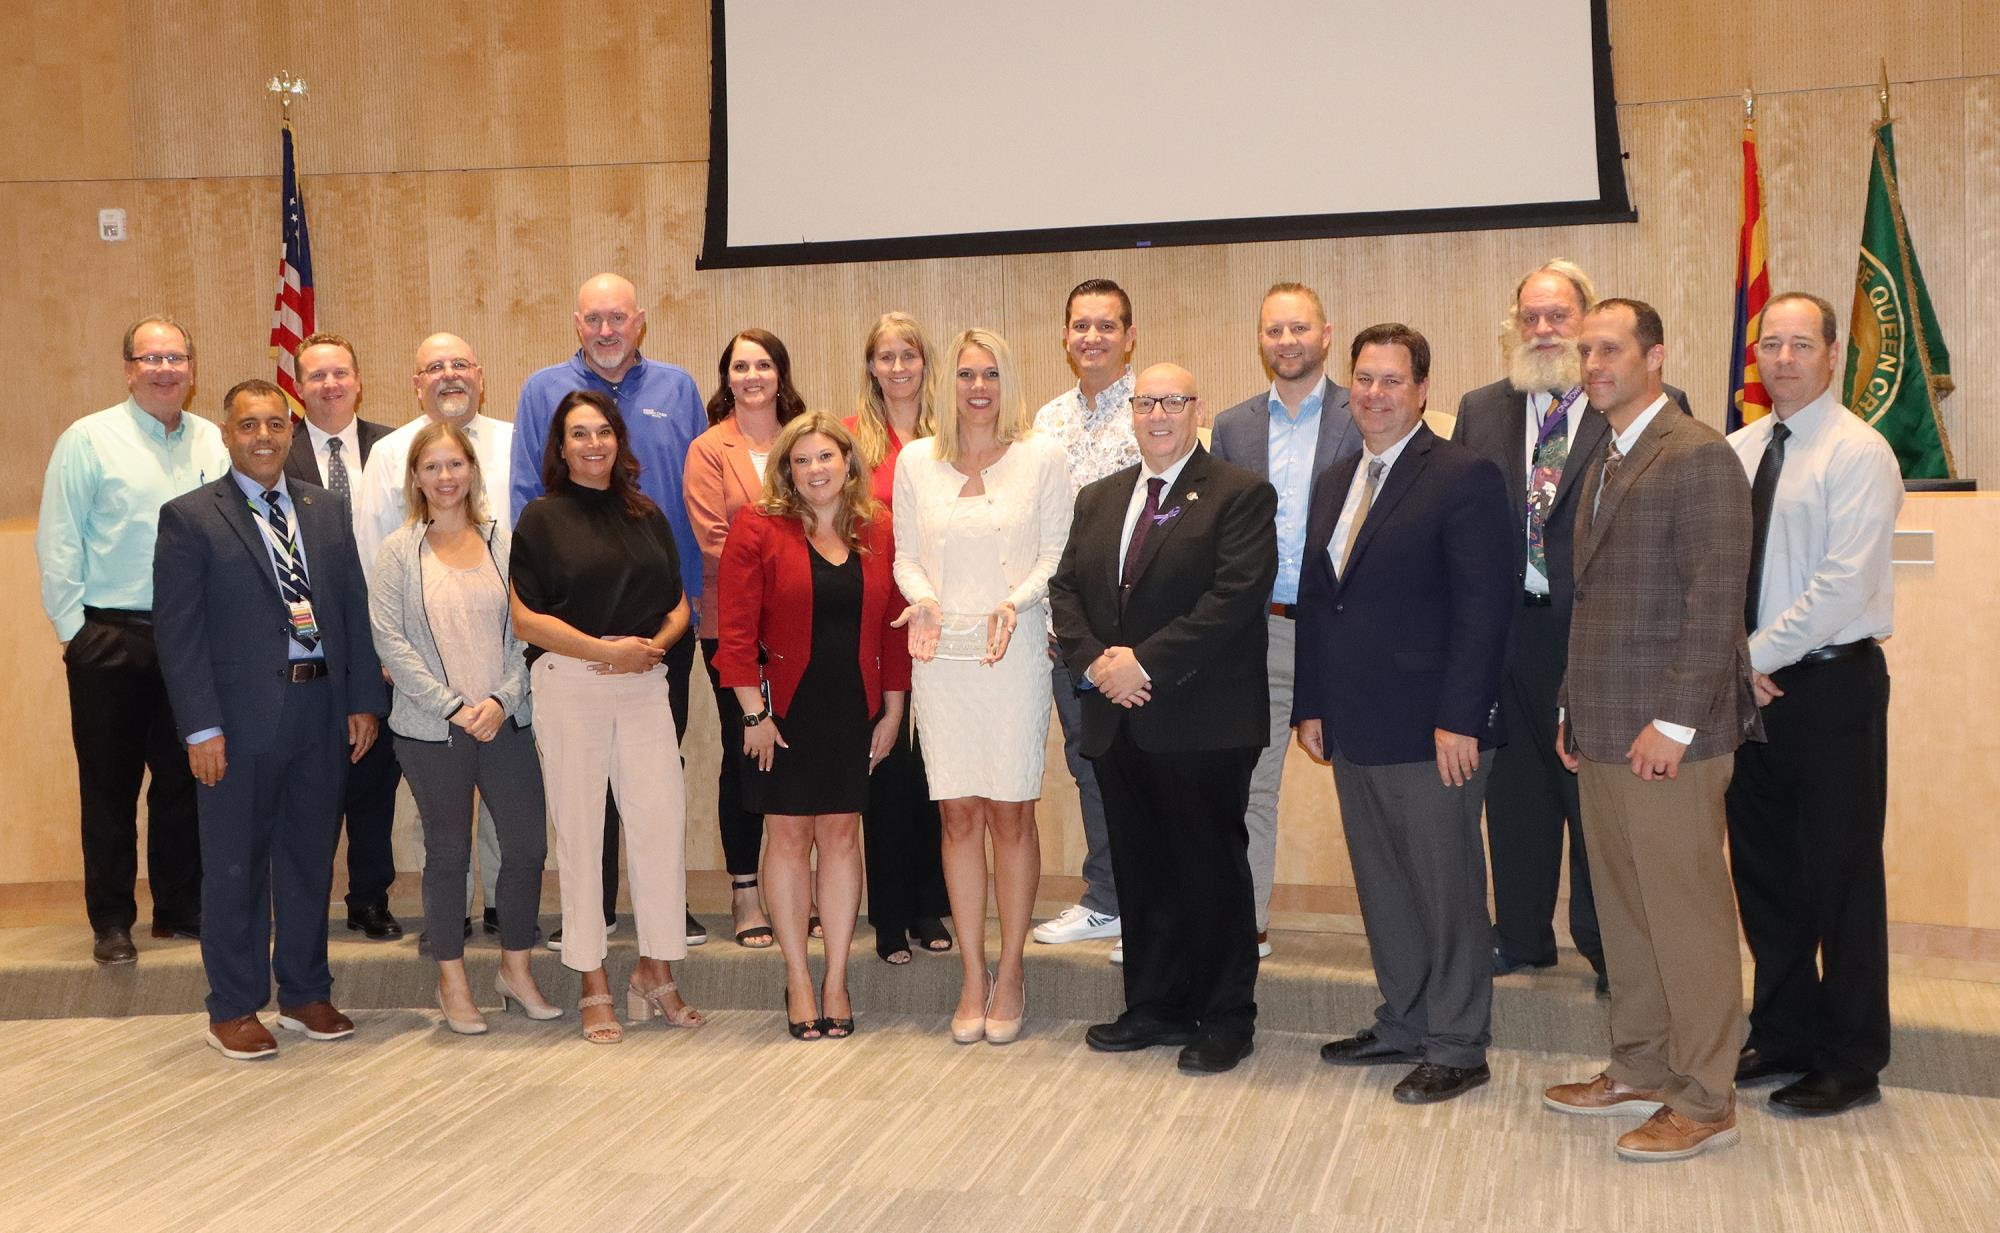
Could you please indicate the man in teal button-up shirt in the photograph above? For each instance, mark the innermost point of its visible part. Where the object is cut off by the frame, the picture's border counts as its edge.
(101, 499)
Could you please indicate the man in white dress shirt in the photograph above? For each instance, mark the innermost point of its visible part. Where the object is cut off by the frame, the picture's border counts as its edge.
(1806, 807)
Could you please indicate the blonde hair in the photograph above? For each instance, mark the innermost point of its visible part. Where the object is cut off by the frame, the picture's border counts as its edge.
(1014, 422)
(430, 434)
(781, 492)
(871, 411)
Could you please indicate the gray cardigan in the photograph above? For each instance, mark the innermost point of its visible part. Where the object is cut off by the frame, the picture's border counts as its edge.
(424, 698)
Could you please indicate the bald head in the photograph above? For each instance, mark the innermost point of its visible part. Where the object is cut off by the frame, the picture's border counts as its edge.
(609, 323)
(448, 380)
(1165, 432)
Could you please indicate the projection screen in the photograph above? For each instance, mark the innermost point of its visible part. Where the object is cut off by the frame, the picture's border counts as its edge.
(867, 130)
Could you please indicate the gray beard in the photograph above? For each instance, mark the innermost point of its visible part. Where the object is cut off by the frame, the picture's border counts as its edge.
(1533, 370)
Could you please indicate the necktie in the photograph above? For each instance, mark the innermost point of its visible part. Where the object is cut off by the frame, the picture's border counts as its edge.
(1375, 468)
(1148, 515)
(1551, 453)
(336, 471)
(292, 582)
(1612, 457)
(1763, 490)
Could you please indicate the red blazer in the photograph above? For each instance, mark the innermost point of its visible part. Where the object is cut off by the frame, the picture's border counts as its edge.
(766, 598)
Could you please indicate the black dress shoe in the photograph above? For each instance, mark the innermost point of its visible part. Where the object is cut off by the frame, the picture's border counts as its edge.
(1364, 1048)
(1754, 1066)
(1129, 1032)
(1211, 1055)
(697, 933)
(490, 920)
(1504, 963)
(1430, 1082)
(373, 922)
(1603, 985)
(1818, 1094)
(177, 928)
(113, 946)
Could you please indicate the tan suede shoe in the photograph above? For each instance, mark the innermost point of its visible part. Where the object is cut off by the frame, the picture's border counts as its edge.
(1602, 1096)
(1668, 1135)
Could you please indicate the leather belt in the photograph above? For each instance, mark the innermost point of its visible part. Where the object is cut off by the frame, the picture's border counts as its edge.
(1828, 654)
(119, 616)
(1288, 611)
(299, 671)
(1531, 600)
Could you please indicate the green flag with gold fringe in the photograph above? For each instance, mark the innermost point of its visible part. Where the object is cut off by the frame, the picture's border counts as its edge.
(1897, 365)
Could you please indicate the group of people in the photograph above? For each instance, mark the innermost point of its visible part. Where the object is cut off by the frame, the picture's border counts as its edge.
(1584, 616)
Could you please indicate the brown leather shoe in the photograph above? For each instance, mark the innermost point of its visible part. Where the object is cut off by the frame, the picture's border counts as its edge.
(1603, 1096)
(318, 1020)
(1668, 1135)
(244, 1038)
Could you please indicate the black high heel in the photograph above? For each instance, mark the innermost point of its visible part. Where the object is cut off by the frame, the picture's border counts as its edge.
(799, 1030)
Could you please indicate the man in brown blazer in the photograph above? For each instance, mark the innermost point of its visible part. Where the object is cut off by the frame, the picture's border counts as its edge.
(1655, 700)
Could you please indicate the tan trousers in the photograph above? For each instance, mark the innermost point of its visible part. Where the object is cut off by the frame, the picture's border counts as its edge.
(595, 729)
(1668, 915)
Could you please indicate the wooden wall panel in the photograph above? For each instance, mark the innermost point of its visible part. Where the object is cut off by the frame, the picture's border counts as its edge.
(64, 91)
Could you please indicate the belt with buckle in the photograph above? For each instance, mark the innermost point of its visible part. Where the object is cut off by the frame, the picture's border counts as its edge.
(119, 616)
(1288, 611)
(299, 671)
(1828, 654)
(1531, 600)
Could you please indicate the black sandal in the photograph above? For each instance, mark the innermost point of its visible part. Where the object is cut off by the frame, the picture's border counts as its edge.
(930, 931)
(799, 1030)
(888, 945)
(836, 1029)
(757, 937)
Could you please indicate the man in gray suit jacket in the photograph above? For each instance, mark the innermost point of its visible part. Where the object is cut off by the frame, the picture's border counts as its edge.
(329, 448)
(1290, 434)
(1536, 426)
(262, 621)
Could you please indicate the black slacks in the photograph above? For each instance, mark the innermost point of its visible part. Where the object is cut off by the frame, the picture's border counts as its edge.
(369, 811)
(123, 727)
(1178, 843)
(1806, 814)
(902, 842)
(680, 664)
(1531, 803)
(742, 831)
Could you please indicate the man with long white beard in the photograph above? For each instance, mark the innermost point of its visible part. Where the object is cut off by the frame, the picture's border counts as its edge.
(1533, 423)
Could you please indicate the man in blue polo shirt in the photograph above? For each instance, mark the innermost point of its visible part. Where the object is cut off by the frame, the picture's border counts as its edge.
(663, 414)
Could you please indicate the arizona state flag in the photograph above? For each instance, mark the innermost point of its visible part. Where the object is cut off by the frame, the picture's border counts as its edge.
(1897, 365)
(1747, 398)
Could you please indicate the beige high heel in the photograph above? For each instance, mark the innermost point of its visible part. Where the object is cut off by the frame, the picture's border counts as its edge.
(464, 1027)
(604, 1033)
(972, 1031)
(506, 991)
(640, 1007)
(1005, 1031)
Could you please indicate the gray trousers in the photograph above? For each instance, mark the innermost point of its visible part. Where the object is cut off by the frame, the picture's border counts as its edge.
(1261, 818)
(1420, 871)
(1100, 891)
(508, 774)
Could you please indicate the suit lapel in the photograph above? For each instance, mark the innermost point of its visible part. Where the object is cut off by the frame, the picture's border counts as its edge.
(1339, 437)
(1517, 449)
(236, 512)
(1644, 452)
(1586, 443)
(1174, 503)
(1402, 477)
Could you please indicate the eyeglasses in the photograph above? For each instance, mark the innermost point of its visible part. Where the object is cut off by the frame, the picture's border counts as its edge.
(437, 368)
(156, 359)
(1172, 404)
(1556, 317)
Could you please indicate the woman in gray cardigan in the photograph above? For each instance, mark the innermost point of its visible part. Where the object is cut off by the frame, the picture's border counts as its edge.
(460, 719)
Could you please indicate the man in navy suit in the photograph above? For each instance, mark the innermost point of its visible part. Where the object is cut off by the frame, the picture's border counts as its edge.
(330, 453)
(1158, 608)
(1289, 434)
(1404, 602)
(261, 616)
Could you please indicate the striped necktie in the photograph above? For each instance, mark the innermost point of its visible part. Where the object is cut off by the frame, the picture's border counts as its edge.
(292, 582)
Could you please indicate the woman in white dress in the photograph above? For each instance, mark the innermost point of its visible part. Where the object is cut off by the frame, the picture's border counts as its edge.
(982, 512)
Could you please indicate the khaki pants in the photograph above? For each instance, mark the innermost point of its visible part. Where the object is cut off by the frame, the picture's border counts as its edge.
(1668, 916)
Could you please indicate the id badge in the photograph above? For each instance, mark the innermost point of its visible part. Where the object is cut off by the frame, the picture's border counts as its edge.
(305, 627)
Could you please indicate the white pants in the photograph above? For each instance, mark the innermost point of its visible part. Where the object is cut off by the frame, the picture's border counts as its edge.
(595, 729)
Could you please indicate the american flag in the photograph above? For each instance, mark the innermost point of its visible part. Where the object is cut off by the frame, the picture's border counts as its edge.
(292, 309)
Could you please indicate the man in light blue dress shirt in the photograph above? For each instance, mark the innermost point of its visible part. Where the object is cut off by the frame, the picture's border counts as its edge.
(101, 499)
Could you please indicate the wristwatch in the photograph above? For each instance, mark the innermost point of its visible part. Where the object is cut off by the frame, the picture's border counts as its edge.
(751, 721)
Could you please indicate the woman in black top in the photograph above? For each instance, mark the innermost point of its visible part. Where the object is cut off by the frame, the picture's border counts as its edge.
(597, 595)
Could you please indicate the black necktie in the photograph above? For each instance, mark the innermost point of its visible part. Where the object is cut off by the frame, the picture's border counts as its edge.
(1763, 491)
(1148, 514)
(292, 583)
(336, 470)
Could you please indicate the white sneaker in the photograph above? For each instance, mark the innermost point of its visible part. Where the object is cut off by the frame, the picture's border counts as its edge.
(1264, 945)
(1118, 952)
(1076, 923)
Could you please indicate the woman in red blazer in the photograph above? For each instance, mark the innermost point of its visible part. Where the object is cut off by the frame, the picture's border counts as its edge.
(805, 578)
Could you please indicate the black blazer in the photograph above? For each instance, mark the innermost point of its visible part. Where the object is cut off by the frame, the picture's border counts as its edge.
(1194, 616)
(303, 464)
(1493, 423)
(1412, 637)
(222, 626)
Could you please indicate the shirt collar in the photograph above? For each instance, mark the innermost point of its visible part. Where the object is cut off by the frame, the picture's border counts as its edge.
(1389, 456)
(1630, 437)
(1112, 399)
(1171, 474)
(596, 378)
(1806, 421)
(318, 437)
(255, 493)
(153, 427)
(1308, 406)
